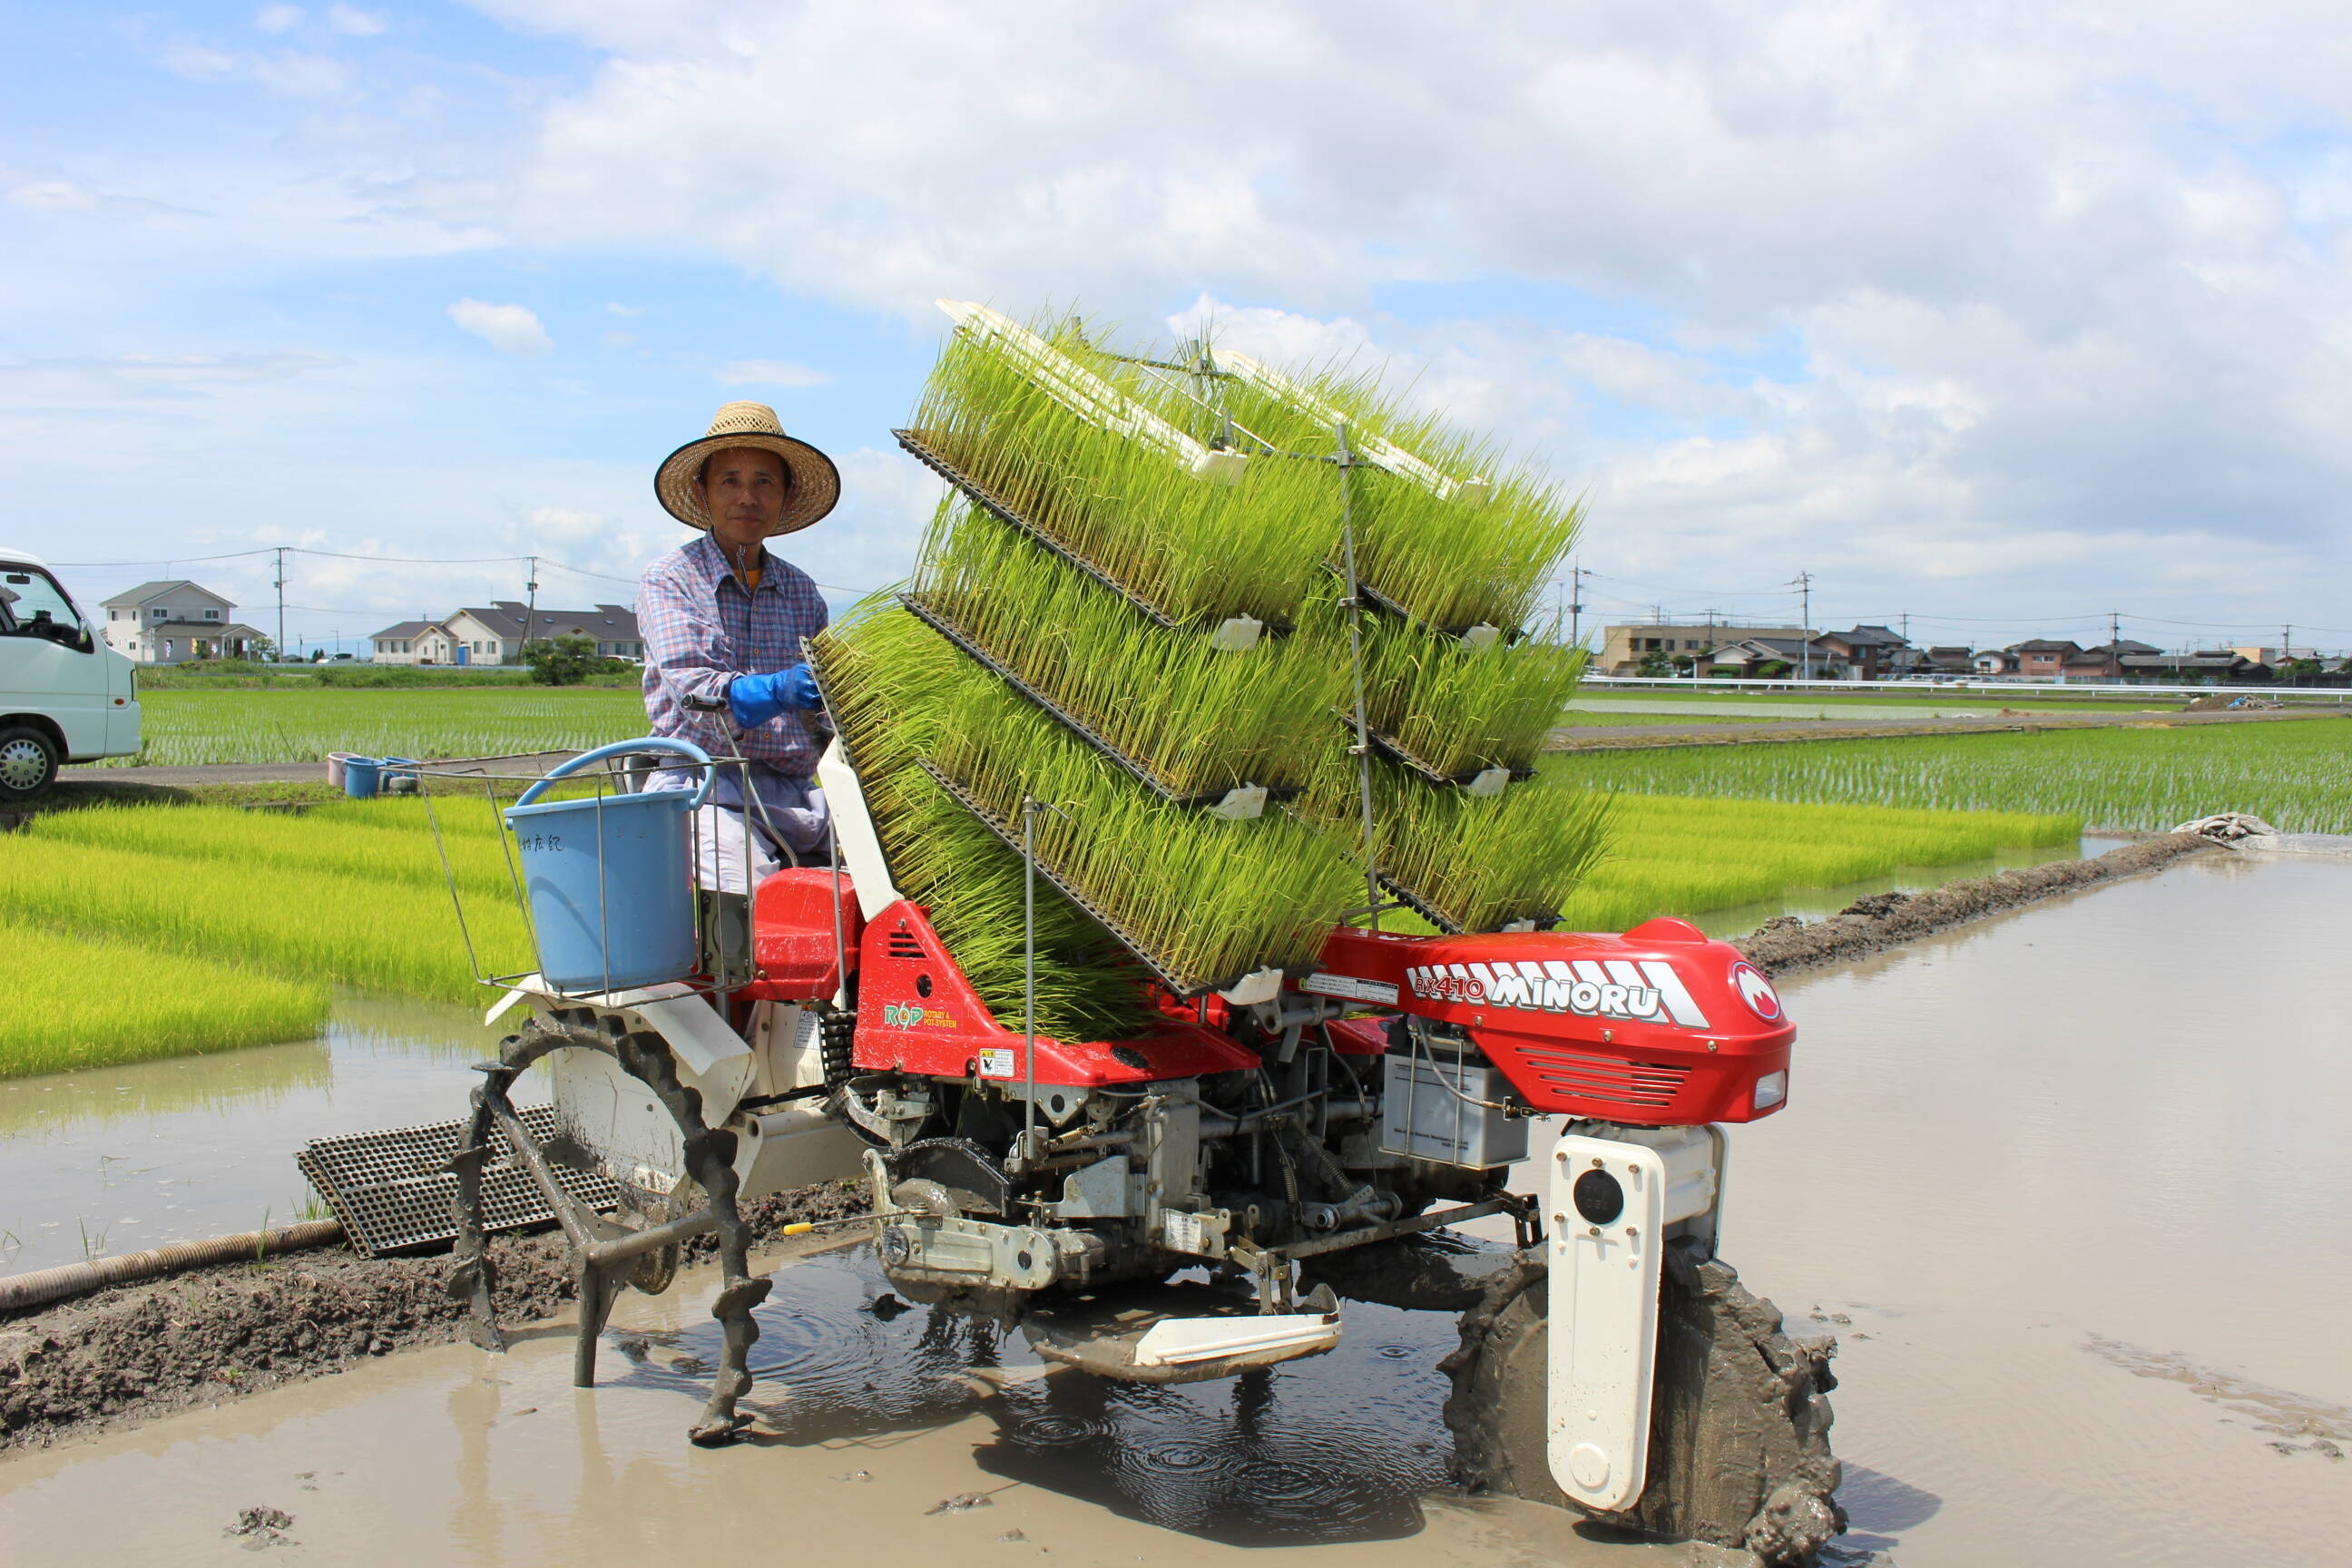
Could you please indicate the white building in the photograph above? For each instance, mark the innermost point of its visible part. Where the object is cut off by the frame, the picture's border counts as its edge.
(172, 622)
(495, 633)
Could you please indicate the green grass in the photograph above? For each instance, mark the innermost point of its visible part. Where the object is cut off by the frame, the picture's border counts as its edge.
(350, 840)
(302, 724)
(76, 1001)
(2296, 775)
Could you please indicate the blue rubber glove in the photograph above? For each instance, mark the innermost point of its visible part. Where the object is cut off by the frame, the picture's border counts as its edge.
(756, 698)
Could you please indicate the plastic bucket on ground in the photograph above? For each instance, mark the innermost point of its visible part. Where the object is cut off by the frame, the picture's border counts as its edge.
(399, 775)
(335, 761)
(361, 777)
(608, 878)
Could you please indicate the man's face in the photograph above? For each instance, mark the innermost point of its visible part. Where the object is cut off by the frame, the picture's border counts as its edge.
(744, 490)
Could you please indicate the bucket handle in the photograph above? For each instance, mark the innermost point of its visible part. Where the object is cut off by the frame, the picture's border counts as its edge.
(650, 743)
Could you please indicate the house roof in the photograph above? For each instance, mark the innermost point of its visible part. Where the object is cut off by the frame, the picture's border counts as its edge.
(2181, 662)
(505, 617)
(406, 629)
(1791, 648)
(162, 588)
(1871, 637)
(2044, 645)
(199, 628)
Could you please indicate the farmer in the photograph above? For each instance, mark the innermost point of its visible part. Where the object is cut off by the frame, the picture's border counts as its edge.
(723, 619)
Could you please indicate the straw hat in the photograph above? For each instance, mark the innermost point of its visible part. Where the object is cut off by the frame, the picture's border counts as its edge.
(813, 483)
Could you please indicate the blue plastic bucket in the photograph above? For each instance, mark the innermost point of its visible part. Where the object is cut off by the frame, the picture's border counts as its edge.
(611, 891)
(362, 775)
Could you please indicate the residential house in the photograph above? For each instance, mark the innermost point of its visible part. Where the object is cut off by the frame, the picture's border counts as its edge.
(2040, 659)
(1755, 655)
(495, 634)
(406, 642)
(173, 621)
(2219, 666)
(1623, 650)
(1950, 660)
(1994, 661)
(2104, 662)
(1874, 652)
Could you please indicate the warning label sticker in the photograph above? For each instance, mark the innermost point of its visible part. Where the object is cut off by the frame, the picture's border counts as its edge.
(996, 1061)
(1322, 982)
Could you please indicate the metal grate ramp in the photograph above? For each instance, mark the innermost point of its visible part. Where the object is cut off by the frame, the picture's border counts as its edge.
(393, 1192)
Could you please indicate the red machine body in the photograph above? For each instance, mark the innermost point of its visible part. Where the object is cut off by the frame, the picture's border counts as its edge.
(1660, 1026)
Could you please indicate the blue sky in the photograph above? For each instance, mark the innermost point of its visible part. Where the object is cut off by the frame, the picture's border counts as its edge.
(2001, 320)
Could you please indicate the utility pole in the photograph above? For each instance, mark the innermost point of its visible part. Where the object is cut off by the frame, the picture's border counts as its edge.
(531, 609)
(1803, 582)
(2115, 633)
(1576, 575)
(281, 604)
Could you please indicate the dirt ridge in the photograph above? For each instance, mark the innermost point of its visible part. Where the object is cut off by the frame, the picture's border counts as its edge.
(1787, 944)
(136, 1351)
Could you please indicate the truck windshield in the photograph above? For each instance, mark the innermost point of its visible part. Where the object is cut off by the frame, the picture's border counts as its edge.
(31, 603)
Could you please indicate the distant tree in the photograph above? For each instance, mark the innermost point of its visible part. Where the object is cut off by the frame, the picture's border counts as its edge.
(562, 661)
(1775, 669)
(1655, 666)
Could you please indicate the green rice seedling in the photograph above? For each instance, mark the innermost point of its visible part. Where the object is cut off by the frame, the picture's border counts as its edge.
(883, 672)
(1198, 549)
(225, 836)
(302, 924)
(1197, 718)
(2290, 773)
(1482, 862)
(1479, 555)
(75, 1002)
(1207, 899)
(1457, 706)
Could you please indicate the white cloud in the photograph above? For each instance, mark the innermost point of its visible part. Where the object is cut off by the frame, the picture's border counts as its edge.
(768, 372)
(289, 73)
(612, 309)
(354, 23)
(277, 18)
(510, 329)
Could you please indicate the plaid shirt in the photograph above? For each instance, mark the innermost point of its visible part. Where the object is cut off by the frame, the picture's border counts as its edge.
(702, 628)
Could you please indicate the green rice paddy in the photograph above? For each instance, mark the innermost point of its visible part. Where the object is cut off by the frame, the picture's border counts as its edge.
(302, 724)
(78, 1001)
(2296, 775)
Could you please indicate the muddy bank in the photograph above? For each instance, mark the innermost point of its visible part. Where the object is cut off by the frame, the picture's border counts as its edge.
(138, 1351)
(1888, 920)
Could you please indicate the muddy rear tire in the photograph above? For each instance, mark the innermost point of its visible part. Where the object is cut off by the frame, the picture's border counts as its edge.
(1739, 1452)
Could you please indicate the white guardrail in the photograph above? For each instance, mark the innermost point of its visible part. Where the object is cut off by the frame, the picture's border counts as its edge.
(1919, 685)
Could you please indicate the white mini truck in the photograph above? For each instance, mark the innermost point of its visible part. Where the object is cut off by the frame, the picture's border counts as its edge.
(65, 696)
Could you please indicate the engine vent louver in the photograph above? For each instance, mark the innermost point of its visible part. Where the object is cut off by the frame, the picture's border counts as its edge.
(1650, 1085)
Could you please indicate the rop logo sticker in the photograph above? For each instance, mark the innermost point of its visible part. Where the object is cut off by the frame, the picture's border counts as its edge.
(1755, 991)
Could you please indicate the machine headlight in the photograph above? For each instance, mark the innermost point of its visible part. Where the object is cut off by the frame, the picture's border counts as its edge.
(1771, 1088)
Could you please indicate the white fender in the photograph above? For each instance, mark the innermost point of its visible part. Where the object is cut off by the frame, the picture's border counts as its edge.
(1614, 1203)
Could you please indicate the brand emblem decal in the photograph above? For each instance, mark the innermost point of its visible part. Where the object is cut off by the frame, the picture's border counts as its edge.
(907, 1015)
(1647, 991)
(1755, 991)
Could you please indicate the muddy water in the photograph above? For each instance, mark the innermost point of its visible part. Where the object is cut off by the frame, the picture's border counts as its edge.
(2072, 1185)
(116, 1159)
(888, 1434)
(2081, 1180)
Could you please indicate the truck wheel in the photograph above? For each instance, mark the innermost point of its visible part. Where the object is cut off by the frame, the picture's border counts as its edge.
(1739, 1452)
(28, 762)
